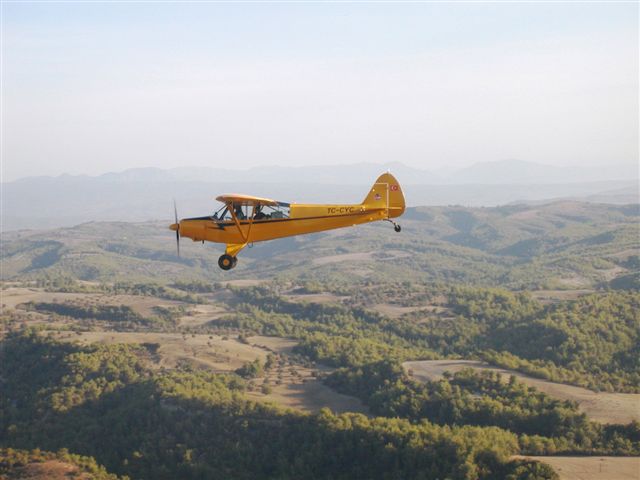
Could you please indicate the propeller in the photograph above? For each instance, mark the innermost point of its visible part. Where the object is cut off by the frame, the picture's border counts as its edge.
(176, 226)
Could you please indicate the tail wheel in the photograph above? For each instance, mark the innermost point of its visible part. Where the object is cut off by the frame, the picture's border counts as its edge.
(227, 262)
(397, 228)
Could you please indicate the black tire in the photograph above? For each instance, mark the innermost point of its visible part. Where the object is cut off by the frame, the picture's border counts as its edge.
(397, 228)
(226, 262)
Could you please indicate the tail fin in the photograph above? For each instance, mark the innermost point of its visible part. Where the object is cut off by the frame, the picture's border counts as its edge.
(386, 193)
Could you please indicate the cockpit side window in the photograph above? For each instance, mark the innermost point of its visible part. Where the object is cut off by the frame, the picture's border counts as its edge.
(278, 211)
(269, 212)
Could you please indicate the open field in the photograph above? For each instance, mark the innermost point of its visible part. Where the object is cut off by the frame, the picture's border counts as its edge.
(201, 314)
(247, 282)
(206, 351)
(554, 296)
(396, 311)
(315, 297)
(195, 315)
(602, 407)
(298, 386)
(344, 257)
(307, 394)
(14, 296)
(292, 384)
(593, 468)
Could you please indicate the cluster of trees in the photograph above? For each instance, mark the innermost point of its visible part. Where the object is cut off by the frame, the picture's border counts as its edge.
(593, 341)
(338, 335)
(117, 313)
(251, 369)
(196, 286)
(546, 425)
(68, 284)
(122, 317)
(195, 424)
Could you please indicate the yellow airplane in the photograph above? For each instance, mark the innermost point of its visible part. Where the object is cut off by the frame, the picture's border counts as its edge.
(244, 219)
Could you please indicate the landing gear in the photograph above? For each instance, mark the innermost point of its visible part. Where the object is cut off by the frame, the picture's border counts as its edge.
(396, 227)
(227, 262)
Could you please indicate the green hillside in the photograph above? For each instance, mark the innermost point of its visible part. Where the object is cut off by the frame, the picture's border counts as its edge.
(558, 245)
(115, 349)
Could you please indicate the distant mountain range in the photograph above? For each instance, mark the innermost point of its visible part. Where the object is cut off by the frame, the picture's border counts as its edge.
(485, 173)
(146, 193)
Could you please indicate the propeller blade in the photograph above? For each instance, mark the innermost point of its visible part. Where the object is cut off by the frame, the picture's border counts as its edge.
(175, 214)
(175, 210)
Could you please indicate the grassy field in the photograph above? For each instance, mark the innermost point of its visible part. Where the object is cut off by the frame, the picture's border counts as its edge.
(594, 468)
(212, 352)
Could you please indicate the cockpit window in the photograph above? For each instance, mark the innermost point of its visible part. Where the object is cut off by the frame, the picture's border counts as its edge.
(268, 212)
(222, 214)
(245, 211)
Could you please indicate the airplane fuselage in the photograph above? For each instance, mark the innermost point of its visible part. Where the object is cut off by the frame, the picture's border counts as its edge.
(303, 219)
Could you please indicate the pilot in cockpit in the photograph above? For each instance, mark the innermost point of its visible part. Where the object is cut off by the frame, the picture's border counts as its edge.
(259, 215)
(239, 213)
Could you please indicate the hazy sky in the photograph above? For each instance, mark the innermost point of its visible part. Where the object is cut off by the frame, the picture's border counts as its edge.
(96, 87)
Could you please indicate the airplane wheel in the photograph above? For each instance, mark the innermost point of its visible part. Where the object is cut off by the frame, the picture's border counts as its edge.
(226, 262)
(397, 228)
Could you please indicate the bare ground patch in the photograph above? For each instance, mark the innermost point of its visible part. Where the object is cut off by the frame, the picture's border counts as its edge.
(273, 344)
(307, 394)
(394, 311)
(247, 282)
(298, 386)
(48, 470)
(315, 297)
(344, 257)
(603, 407)
(574, 282)
(201, 314)
(593, 468)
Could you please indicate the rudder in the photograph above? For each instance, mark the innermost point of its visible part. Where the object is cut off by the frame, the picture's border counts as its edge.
(386, 193)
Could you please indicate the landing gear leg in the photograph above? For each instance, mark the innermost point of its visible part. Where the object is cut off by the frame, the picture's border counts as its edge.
(396, 226)
(227, 262)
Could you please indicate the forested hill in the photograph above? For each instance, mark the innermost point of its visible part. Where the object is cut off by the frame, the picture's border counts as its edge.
(103, 401)
(558, 245)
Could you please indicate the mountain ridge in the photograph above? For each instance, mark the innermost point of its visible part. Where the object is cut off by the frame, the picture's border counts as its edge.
(490, 173)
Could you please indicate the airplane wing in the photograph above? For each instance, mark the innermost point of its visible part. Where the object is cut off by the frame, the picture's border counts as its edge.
(246, 199)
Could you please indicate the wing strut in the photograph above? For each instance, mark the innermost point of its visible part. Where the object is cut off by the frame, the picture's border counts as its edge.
(234, 248)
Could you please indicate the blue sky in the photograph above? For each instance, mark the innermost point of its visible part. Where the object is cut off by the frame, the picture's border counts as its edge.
(95, 87)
